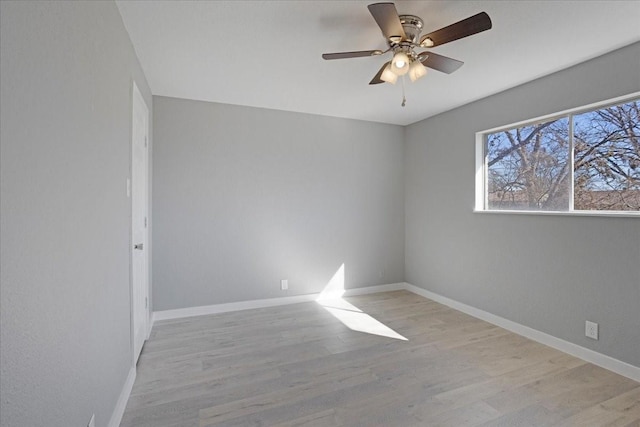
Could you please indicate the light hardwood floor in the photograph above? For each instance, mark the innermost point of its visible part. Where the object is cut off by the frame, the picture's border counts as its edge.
(298, 365)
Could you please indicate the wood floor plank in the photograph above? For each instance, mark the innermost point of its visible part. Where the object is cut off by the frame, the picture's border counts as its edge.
(318, 419)
(621, 410)
(298, 365)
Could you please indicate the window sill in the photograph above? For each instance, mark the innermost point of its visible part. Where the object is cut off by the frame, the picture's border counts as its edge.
(612, 214)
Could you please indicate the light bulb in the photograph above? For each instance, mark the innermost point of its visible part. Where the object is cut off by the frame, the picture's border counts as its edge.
(417, 70)
(388, 75)
(400, 63)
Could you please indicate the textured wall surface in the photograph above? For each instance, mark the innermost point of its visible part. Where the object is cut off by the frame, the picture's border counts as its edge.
(550, 273)
(245, 197)
(66, 78)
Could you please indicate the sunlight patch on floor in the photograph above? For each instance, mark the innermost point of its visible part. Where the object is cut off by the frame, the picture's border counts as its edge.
(352, 317)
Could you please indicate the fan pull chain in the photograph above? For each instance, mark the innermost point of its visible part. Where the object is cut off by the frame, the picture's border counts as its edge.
(404, 99)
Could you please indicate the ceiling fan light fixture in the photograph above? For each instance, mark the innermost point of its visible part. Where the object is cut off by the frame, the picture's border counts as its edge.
(417, 70)
(400, 63)
(388, 75)
(402, 36)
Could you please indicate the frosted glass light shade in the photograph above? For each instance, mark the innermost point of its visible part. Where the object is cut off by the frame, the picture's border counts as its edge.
(400, 63)
(388, 75)
(417, 70)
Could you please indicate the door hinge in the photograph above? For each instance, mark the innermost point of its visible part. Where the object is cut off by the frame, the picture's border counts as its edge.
(146, 302)
(145, 140)
(145, 222)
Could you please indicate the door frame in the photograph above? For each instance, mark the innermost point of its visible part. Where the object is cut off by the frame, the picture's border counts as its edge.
(137, 101)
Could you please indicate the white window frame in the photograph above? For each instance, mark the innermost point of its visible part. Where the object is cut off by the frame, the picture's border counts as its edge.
(481, 177)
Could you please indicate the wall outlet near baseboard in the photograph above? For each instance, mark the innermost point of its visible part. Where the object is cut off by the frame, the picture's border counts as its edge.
(591, 330)
(92, 421)
(284, 284)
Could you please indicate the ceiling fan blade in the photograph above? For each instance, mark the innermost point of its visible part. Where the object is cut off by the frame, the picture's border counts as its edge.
(376, 79)
(386, 17)
(467, 27)
(441, 63)
(358, 54)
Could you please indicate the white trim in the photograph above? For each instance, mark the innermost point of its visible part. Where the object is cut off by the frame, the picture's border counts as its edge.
(481, 176)
(262, 303)
(231, 306)
(599, 359)
(121, 404)
(375, 289)
(610, 214)
(572, 163)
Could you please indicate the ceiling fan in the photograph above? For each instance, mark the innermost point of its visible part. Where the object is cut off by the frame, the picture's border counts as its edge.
(402, 34)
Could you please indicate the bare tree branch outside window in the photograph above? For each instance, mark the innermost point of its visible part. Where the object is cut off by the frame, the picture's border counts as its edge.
(529, 167)
(607, 158)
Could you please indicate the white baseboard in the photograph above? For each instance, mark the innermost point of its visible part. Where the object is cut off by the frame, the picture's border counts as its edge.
(599, 359)
(231, 306)
(375, 289)
(583, 353)
(262, 303)
(121, 404)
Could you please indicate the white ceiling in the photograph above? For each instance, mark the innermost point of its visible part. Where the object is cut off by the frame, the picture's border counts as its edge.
(268, 53)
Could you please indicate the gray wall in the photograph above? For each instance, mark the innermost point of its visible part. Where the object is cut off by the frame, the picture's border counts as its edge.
(245, 197)
(66, 75)
(550, 273)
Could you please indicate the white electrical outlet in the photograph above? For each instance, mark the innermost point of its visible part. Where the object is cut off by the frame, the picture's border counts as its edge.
(92, 421)
(284, 284)
(591, 330)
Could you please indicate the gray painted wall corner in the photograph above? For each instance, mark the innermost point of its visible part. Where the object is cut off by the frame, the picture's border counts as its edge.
(246, 197)
(550, 273)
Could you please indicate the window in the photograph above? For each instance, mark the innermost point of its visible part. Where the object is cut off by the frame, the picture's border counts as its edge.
(587, 160)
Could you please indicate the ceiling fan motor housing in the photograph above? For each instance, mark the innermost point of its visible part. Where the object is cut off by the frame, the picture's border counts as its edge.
(412, 26)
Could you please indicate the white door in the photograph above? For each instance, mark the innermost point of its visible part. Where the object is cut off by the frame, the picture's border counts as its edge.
(139, 213)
